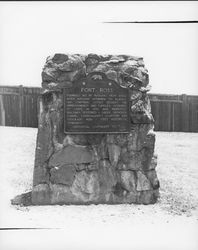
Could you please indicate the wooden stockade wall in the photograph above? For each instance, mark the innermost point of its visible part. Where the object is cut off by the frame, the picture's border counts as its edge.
(175, 112)
(19, 107)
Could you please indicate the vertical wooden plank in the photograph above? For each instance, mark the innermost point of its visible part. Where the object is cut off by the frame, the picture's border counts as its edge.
(25, 111)
(13, 113)
(185, 114)
(38, 109)
(5, 108)
(195, 117)
(14, 108)
(163, 116)
(2, 111)
(33, 111)
(10, 111)
(30, 113)
(173, 117)
(153, 110)
(190, 116)
(180, 116)
(157, 122)
(177, 117)
(160, 121)
(18, 117)
(169, 114)
(21, 105)
(31, 117)
(155, 113)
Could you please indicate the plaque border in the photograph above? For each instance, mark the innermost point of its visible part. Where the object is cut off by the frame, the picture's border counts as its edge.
(97, 132)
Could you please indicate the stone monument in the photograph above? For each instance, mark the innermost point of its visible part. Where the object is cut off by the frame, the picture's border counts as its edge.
(95, 141)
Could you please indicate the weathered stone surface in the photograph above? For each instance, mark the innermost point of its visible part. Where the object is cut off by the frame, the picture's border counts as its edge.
(86, 186)
(80, 167)
(75, 140)
(103, 149)
(41, 175)
(150, 140)
(152, 176)
(114, 153)
(61, 194)
(72, 155)
(131, 160)
(107, 177)
(143, 183)
(23, 199)
(140, 112)
(118, 139)
(126, 70)
(44, 147)
(41, 195)
(128, 180)
(153, 163)
(148, 197)
(94, 168)
(68, 68)
(141, 136)
(131, 197)
(63, 175)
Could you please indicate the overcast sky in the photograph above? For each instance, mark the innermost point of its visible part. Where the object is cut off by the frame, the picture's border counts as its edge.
(31, 31)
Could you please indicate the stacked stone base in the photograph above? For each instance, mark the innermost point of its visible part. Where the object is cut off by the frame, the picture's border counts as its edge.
(58, 194)
(97, 169)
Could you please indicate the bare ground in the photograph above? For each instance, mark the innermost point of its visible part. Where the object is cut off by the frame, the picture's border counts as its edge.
(178, 172)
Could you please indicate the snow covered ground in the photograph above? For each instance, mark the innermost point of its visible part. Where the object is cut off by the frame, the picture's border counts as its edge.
(172, 223)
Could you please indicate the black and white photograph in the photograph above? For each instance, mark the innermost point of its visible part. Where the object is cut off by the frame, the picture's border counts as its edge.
(99, 125)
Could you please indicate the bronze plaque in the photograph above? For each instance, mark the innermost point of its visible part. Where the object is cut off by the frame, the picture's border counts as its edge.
(96, 105)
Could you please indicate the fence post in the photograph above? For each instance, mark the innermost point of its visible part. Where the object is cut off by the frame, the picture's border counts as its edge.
(185, 114)
(20, 105)
(173, 117)
(2, 111)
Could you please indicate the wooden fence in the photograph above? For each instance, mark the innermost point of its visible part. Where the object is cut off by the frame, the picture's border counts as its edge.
(19, 107)
(175, 112)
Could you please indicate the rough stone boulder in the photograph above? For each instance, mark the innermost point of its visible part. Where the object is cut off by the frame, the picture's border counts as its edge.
(94, 168)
